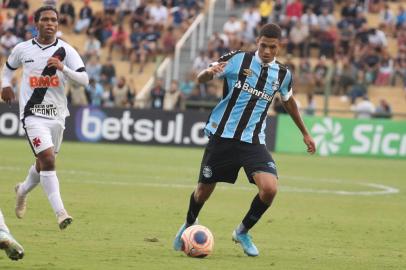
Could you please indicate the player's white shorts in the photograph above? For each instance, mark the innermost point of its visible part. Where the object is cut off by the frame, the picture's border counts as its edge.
(43, 133)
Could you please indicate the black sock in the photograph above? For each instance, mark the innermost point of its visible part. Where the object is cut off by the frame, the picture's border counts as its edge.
(257, 208)
(194, 209)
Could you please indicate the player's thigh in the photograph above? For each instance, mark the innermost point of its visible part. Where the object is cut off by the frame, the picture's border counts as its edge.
(220, 162)
(255, 158)
(38, 134)
(57, 130)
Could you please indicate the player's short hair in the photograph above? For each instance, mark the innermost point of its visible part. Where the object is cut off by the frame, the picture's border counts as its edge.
(38, 12)
(271, 30)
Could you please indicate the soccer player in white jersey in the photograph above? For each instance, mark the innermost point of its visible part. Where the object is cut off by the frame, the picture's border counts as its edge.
(48, 62)
(7, 242)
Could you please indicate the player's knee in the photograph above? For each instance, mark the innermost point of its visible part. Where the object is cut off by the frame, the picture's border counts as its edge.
(47, 163)
(268, 193)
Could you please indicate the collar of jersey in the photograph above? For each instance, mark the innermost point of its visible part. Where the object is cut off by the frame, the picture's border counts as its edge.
(260, 61)
(35, 42)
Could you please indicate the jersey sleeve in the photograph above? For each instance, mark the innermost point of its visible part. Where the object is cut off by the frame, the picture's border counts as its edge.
(14, 59)
(73, 60)
(230, 58)
(285, 89)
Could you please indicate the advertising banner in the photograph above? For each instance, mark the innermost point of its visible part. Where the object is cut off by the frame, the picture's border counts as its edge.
(95, 124)
(344, 137)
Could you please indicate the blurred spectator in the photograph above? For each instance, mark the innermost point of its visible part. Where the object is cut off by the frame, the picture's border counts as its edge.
(327, 41)
(343, 76)
(310, 20)
(400, 17)
(7, 43)
(173, 98)
(326, 20)
(370, 61)
(359, 89)
(320, 75)
(187, 86)
(385, 70)
(108, 73)
(168, 41)
(294, 10)
(76, 94)
(107, 97)
(265, 10)
(158, 14)
(383, 110)
(93, 68)
(92, 47)
(377, 37)
(201, 62)
(298, 36)
(399, 71)
(311, 105)
(364, 109)
(157, 94)
(387, 17)
(20, 16)
(95, 92)
(122, 93)
(67, 13)
(119, 38)
(232, 28)
(138, 52)
(85, 17)
(110, 6)
(251, 17)
(139, 16)
(305, 73)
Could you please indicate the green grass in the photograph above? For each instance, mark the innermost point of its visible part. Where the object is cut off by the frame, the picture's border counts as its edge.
(121, 196)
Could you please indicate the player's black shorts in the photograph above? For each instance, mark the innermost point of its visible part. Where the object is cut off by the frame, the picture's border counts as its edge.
(223, 158)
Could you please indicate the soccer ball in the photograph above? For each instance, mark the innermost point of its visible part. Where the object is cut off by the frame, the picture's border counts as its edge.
(198, 241)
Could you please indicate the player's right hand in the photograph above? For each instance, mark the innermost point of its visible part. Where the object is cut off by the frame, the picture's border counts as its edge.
(7, 95)
(219, 68)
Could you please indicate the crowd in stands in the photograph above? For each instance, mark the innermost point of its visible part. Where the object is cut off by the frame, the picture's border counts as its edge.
(328, 45)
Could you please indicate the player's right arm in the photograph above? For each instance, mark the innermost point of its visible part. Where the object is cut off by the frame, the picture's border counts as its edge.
(222, 68)
(209, 73)
(12, 64)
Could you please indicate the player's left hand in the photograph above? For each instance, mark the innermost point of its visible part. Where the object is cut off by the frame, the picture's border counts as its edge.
(311, 146)
(55, 62)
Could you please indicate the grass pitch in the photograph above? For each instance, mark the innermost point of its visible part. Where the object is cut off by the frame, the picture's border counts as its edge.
(128, 202)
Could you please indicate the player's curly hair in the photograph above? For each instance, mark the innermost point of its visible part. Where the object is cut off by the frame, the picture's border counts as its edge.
(271, 30)
(38, 12)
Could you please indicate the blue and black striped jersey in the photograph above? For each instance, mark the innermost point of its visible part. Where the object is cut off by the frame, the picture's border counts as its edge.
(249, 88)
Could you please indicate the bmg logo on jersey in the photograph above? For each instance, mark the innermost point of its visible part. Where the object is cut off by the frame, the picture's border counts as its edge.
(44, 81)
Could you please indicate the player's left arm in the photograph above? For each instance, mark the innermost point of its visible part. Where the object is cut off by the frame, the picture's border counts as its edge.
(73, 68)
(290, 105)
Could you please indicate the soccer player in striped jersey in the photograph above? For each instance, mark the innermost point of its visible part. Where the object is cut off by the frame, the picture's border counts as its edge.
(236, 130)
(48, 62)
(7, 242)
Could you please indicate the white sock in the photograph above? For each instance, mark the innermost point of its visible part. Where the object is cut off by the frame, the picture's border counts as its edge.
(50, 184)
(31, 181)
(3, 225)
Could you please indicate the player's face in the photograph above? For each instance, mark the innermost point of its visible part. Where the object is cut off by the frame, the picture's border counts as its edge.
(47, 24)
(267, 48)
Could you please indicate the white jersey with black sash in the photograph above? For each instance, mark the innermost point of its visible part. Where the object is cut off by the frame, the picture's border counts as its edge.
(42, 88)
